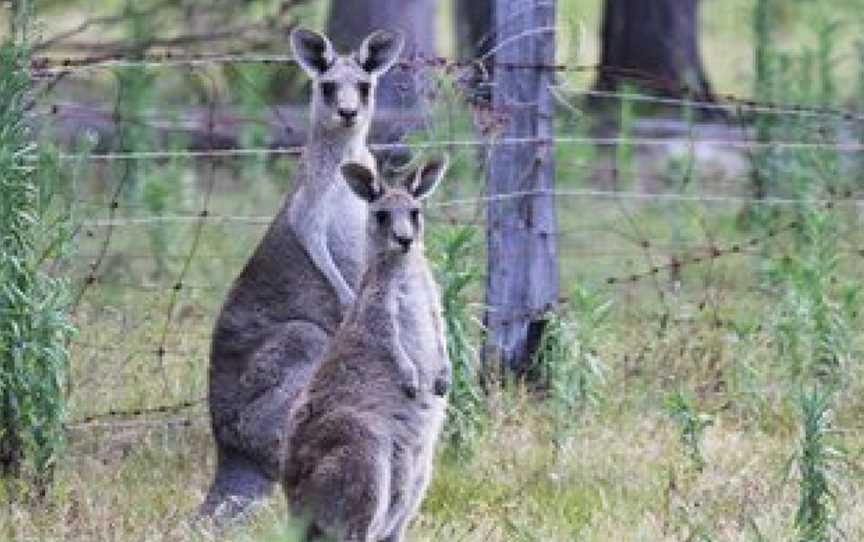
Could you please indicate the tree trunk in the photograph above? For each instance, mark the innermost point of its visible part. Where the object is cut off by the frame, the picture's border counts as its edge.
(475, 33)
(351, 21)
(653, 44)
(474, 29)
(522, 230)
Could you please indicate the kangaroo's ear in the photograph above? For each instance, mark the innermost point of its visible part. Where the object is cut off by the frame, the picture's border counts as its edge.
(380, 50)
(425, 179)
(362, 181)
(313, 51)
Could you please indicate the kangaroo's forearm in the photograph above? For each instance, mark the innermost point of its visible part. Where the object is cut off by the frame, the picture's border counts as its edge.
(309, 219)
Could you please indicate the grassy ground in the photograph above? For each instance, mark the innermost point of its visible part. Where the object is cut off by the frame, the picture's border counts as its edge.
(621, 474)
(617, 468)
(694, 432)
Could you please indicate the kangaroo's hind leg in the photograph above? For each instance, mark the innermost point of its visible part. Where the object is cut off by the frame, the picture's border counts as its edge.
(346, 491)
(238, 484)
(278, 373)
(250, 445)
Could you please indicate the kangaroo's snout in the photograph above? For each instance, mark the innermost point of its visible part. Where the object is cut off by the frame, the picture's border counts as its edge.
(349, 116)
(404, 242)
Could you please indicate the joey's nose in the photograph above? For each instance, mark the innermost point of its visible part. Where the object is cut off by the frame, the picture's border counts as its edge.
(348, 115)
(404, 242)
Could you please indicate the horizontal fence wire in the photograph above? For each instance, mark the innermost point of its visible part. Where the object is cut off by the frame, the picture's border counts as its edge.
(652, 258)
(137, 412)
(117, 424)
(738, 107)
(848, 147)
(260, 220)
(47, 65)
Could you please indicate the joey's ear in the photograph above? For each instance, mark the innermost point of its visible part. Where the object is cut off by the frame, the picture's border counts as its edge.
(313, 51)
(380, 50)
(425, 179)
(362, 181)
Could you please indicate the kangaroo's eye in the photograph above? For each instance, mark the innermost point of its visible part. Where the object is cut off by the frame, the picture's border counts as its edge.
(415, 215)
(381, 217)
(328, 90)
(364, 88)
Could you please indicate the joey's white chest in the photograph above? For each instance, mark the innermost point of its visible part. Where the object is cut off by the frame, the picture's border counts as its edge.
(418, 312)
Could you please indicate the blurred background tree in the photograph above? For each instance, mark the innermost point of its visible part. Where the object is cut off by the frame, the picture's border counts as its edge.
(654, 45)
(349, 22)
(473, 26)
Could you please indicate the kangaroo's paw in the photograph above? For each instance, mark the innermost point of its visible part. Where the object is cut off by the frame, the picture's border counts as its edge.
(442, 383)
(408, 375)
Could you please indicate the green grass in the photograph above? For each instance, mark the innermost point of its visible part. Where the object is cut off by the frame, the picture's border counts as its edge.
(621, 477)
(618, 473)
(722, 340)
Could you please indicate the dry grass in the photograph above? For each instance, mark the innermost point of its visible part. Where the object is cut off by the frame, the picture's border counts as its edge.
(620, 473)
(621, 476)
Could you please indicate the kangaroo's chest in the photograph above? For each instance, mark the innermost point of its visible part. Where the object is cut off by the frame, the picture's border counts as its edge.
(346, 233)
(418, 322)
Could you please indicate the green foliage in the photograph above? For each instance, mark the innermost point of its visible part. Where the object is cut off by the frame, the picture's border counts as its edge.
(34, 324)
(740, 333)
(567, 357)
(691, 426)
(814, 322)
(457, 273)
(815, 316)
(624, 151)
(763, 163)
(249, 86)
(450, 118)
(819, 463)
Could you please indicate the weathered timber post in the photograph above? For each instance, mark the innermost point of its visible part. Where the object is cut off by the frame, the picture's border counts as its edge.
(522, 278)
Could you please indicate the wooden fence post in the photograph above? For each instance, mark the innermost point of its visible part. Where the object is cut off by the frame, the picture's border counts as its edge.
(522, 278)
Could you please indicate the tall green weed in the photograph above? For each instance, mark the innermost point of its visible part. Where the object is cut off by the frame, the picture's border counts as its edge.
(458, 272)
(34, 323)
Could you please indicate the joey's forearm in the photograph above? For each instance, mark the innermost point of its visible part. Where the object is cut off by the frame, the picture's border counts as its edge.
(389, 317)
(440, 335)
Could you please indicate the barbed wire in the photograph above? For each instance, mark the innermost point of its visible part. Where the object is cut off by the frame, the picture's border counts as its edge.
(845, 197)
(51, 66)
(676, 264)
(651, 254)
(112, 423)
(148, 351)
(199, 228)
(112, 210)
(732, 105)
(138, 412)
(848, 197)
(847, 147)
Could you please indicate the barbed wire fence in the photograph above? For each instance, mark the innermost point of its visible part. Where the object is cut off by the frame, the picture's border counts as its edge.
(153, 268)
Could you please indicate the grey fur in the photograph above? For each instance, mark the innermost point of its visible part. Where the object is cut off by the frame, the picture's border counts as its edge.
(360, 453)
(292, 293)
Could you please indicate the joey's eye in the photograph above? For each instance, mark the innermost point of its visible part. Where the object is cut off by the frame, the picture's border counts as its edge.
(415, 215)
(381, 217)
(328, 90)
(364, 88)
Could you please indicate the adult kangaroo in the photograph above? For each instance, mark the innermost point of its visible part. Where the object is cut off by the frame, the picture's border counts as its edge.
(360, 451)
(290, 297)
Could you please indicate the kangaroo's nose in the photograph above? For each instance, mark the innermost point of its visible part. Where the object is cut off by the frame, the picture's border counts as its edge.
(348, 114)
(404, 242)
